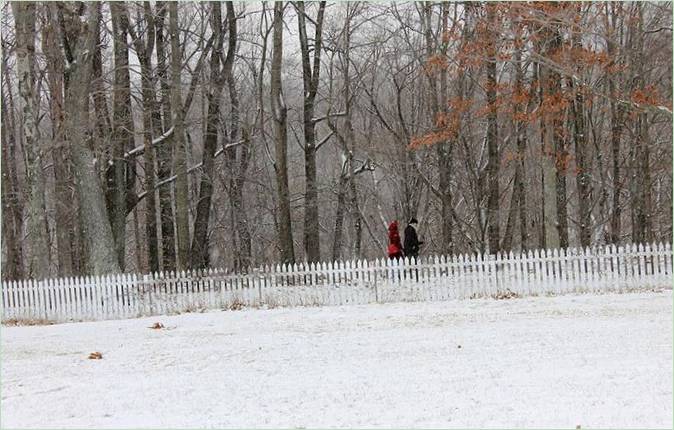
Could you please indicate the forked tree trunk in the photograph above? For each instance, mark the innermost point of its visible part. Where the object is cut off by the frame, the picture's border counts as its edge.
(96, 227)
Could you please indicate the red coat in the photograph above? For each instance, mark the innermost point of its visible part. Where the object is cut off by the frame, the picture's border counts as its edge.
(395, 248)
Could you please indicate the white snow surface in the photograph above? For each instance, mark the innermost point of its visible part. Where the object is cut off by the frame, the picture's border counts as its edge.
(589, 360)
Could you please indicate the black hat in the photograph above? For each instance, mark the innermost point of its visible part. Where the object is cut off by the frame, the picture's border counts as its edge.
(414, 221)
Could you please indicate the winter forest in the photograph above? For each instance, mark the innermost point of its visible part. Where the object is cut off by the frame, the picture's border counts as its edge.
(148, 136)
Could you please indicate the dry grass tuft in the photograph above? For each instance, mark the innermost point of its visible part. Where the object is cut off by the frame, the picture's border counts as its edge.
(14, 322)
(505, 295)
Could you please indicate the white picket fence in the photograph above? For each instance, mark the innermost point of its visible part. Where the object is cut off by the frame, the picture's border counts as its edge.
(606, 269)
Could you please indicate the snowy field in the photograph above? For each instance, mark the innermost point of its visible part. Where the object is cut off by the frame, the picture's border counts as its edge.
(595, 361)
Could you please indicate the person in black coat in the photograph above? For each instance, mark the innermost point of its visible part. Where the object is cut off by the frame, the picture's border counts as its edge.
(412, 242)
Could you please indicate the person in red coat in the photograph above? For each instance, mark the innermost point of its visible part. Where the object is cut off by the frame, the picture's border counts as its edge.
(395, 247)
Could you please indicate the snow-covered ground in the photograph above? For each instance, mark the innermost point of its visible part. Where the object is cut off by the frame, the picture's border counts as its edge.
(595, 361)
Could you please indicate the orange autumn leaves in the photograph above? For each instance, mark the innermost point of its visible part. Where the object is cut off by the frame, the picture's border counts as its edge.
(513, 103)
(447, 123)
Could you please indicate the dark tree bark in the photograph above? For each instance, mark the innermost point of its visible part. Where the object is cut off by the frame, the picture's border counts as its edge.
(311, 79)
(641, 224)
(521, 137)
(280, 117)
(11, 219)
(12, 202)
(611, 16)
(582, 166)
(438, 105)
(65, 212)
(493, 160)
(164, 152)
(237, 159)
(144, 47)
(199, 252)
(122, 131)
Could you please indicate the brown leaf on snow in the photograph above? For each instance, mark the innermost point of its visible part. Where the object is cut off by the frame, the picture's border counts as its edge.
(95, 356)
(157, 326)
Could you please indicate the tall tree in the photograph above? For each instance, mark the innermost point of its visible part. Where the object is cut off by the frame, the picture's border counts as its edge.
(79, 33)
(493, 157)
(144, 46)
(580, 138)
(310, 78)
(280, 117)
(162, 117)
(11, 220)
(122, 130)
(24, 20)
(219, 75)
(612, 14)
(64, 220)
(179, 144)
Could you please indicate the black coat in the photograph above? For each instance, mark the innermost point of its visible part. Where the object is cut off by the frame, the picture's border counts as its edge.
(411, 245)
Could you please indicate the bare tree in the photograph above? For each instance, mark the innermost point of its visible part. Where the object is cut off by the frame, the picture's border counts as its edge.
(25, 19)
(79, 35)
(310, 78)
(280, 117)
(219, 75)
(180, 149)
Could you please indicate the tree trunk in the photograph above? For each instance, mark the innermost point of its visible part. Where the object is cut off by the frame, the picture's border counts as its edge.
(444, 149)
(199, 253)
(103, 126)
(552, 157)
(151, 124)
(11, 219)
(493, 161)
(559, 148)
(63, 204)
(310, 78)
(95, 223)
(25, 19)
(582, 166)
(617, 115)
(339, 213)
(123, 128)
(164, 152)
(507, 243)
(180, 154)
(238, 166)
(521, 136)
(279, 113)
(641, 228)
